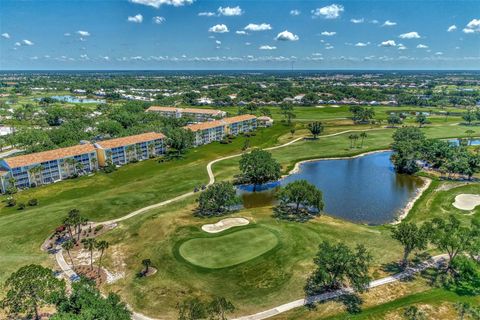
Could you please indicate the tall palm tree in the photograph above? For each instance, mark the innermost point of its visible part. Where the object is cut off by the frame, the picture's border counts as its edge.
(71, 164)
(67, 246)
(89, 244)
(363, 135)
(102, 246)
(32, 172)
(94, 164)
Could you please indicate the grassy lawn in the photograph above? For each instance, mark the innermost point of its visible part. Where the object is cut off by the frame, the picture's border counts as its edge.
(228, 249)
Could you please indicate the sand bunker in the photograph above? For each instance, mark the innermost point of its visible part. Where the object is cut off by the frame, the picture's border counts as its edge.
(466, 201)
(224, 225)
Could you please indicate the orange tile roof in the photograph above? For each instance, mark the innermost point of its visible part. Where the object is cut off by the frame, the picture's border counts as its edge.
(205, 125)
(240, 118)
(125, 141)
(39, 157)
(189, 110)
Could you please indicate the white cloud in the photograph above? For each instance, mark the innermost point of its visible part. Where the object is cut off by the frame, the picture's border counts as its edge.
(328, 33)
(230, 11)
(138, 18)
(83, 33)
(218, 42)
(295, 12)
(17, 44)
(361, 44)
(106, 58)
(329, 47)
(258, 27)
(27, 42)
(401, 47)
(67, 34)
(158, 20)
(286, 36)
(356, 21)
(422, 46)
(158, 3)
(329, 12)
(206, 14)
(84, 57)
(409, 35)
(219, 28)
(5, 35)
(452, 28)
(267, 47)
(374, 21)
(247, 43)
(388, 43)
(473, 26)
(241, 32)
(439, 53)
(389, 23)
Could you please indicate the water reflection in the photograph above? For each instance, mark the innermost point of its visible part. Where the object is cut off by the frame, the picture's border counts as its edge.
(364, 189)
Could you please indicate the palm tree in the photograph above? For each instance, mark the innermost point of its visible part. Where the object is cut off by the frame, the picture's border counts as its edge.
(71, 164)
(67, 246)
(146, 263)
(353, 140)
(89, 244)
(102, 246)
(151, 150)
(363, 135)
(94, 163)
(32, 172)
(315, 128)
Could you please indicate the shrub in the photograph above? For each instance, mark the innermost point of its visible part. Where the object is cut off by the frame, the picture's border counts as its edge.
(21, 206)
(32, 202)
(11, 202)
(98, 228)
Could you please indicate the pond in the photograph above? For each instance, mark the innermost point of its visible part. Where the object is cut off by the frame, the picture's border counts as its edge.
(73, 99)
(472, 142)
(363, 189)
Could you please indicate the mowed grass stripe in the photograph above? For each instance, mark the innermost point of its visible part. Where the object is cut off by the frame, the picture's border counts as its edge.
(230, 249)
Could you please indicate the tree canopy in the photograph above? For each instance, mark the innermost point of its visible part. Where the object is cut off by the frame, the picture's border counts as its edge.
(299, 198)
(218, 199)
(258, 167)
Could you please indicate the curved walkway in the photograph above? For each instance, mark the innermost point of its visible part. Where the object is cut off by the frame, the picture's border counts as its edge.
(71, 275)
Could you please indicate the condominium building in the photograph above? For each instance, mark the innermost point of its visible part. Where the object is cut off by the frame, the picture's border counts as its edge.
(198, 115)
(121, 151)
(48, 166)
(208, 132)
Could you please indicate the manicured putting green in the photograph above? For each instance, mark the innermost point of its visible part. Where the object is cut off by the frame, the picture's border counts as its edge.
(228, 250)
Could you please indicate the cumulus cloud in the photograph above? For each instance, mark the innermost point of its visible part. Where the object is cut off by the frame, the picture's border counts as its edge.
(329, 47)
(389, 23)
(241, 32)
(219, 28)
(409, 35)
(286, 36)
(356, 21)
(473, 26)
(206, 14)
(218, 42)
(267, 47)
(361, 44)
(438, 53)
(82, 33)
(158, 20)
(332, 11)
(27, 42)
(230, 11)
(422, 46)
(452, 28)
(328, 33)
(67, 34)
(158, 3)
(258, 27)
(5, 35)
(401, 47)
(388, 43)
(17, 44)
(138, 18)
(295, 12)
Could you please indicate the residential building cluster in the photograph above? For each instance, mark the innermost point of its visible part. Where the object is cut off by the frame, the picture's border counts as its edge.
(196, 114)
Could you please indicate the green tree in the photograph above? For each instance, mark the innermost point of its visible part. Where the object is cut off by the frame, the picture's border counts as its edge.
(217, 200)
(407, 147)
(363, 136)
(338, 266)
(101, 245)
(470, 133)
(219, 307)
(316, 128)
(258, 167)
(394, 119)
(68, 246)
(413, 313)
(87, 303)
(353, 139)
(30, 288)
(411, 237)
(146, 263)
(421, 119)
(191, 309)
(299, 197)
(179, 140)
(89, 244)
(287, 112)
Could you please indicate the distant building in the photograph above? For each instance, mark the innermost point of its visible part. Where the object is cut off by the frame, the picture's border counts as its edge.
(121, 151)
(264, 121)
(47, 166)
(211, 131)
(197, 114)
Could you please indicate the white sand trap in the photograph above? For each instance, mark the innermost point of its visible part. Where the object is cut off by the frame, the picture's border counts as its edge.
(225, 224)
(466, 201)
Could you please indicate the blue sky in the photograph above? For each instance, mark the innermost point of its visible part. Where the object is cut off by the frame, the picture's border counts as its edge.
(198, 34)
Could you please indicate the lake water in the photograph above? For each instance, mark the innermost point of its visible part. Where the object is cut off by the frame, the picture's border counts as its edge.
(73, 99)
(473, 142)
(364, 189)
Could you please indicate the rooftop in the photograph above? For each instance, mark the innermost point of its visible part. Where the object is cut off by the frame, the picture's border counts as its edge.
(125, 141)
(189, 110)
(243, 117)
(205, 125)
(39, 157)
